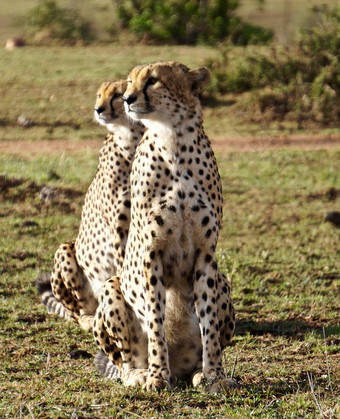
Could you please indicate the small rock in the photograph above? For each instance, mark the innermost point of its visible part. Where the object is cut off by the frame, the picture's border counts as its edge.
(29, 224)
(48, 194)
(24, 122)
(79, 353)
(14, 43)
(333, 217)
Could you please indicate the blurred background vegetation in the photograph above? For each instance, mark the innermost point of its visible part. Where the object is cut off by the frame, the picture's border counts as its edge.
(280, 58)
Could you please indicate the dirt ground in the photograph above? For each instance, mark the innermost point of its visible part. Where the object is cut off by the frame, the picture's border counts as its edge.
(237, 144)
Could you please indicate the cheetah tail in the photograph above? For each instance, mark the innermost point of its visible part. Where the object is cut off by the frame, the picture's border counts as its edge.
(44, 289)
(105, 366)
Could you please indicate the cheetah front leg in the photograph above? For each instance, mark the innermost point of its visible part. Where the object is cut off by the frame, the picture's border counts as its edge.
(71, 288)
(205, 294)
(226, 325)
(158, 357)
(226, 312)
(111, 330)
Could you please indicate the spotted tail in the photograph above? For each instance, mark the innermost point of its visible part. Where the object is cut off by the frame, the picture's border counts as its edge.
(106, 367)
(53, 306)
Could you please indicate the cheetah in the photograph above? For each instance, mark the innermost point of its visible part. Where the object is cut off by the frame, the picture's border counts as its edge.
(169, 314)
(81, 267)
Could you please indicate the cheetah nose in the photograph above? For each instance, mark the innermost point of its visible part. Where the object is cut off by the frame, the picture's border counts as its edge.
(129, 99)
(99, 109)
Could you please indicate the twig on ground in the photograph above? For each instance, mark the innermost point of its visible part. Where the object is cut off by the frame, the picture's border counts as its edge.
(21, 406)
(30, 411)
(234, 367)
(327, 362)
(48, 360)
(311, 385)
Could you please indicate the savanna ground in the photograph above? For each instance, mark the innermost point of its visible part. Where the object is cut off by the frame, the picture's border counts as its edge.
(281, 255)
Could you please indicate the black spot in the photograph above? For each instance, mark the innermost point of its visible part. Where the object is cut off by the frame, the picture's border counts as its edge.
(159, 220)
(153, 280)
(205, 221)
(208, 258)
(210, 283)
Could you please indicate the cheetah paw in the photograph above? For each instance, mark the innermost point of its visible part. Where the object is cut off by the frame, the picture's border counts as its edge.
(221, 385)
(197, 378)
(157, 384)
(86, 322)
(135, 377)
(217, 385)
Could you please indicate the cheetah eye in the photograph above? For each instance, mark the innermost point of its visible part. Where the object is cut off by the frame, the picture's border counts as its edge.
(151, 81)
(99, 95)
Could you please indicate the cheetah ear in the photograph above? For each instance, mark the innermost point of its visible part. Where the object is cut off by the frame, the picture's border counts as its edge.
(199, 78)
(122, 86)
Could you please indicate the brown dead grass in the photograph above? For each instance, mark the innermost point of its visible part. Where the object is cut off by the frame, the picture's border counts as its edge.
(236, 143)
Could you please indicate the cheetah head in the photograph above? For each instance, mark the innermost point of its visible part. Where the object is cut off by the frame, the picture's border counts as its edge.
(109, 108)
(163, 91)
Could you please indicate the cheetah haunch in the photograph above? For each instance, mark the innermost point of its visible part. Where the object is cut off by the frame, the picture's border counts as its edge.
(81, 267)
(169, 314)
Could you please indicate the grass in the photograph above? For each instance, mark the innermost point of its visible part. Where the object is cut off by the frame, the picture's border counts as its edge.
(281, 255)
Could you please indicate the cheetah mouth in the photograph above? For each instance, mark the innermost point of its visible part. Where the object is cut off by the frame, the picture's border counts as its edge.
(105, 119)
(138, 111)
(108, 117)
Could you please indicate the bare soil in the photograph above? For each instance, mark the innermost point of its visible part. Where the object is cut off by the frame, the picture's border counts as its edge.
(237, 144)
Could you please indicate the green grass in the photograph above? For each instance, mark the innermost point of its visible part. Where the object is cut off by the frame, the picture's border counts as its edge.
(55, 88)
(283, 260)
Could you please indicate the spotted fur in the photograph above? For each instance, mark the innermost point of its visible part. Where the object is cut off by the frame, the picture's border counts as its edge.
(81, 267)
(169, 314)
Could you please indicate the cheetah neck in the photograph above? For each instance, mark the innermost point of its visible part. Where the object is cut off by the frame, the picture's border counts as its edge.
(168, 137)
(126, 136)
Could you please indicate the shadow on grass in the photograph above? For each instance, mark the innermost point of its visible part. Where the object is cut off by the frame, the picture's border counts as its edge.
(212, 102)
(290, 328)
